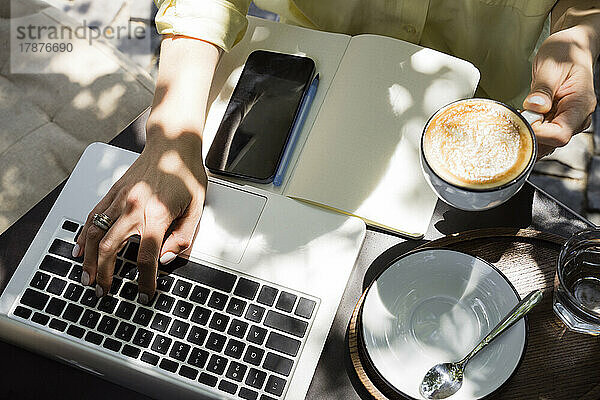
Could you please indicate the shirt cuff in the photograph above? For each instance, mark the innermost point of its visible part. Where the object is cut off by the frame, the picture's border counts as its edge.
(222, 23)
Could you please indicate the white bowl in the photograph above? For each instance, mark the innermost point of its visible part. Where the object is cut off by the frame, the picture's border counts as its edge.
(434, 306)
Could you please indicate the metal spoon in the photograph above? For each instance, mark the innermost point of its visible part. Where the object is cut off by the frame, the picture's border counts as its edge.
(443, 380)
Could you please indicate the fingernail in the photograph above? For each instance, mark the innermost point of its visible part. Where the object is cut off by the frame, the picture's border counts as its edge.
(167, 257)
(537, 100)
(143, 298)
(85, 278)
(99, 291)
(75, 251)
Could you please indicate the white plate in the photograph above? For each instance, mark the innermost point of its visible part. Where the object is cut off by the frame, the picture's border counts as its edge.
(434, 306)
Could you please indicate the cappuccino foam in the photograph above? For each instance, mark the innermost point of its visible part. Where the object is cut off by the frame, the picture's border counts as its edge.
(477, 144)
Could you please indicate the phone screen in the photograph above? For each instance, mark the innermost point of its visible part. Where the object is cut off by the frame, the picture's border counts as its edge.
(255, 128)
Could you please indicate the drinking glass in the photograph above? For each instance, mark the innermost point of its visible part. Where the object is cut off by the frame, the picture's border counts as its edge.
(577, 282)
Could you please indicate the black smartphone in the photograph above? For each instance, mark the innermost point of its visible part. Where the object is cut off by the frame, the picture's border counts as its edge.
(259, 117)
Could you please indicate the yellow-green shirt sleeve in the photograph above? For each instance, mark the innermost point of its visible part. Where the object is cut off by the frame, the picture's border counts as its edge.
(221, 22)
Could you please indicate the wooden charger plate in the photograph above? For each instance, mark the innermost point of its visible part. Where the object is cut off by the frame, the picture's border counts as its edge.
(558, 364)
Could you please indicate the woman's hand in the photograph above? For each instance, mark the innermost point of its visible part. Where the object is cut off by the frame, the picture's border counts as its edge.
(562, 85)
(161, 196)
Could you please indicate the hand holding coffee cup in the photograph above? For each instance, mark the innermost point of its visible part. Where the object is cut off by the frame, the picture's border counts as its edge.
(477, 153)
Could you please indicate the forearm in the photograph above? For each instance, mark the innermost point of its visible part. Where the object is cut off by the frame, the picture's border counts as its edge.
(583, 16)
(185, 75)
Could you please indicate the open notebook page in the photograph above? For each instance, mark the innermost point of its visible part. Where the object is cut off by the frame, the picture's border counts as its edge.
(326, 49)
(362, 154)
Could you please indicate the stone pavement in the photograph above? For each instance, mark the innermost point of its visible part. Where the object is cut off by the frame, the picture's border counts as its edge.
(571, 174)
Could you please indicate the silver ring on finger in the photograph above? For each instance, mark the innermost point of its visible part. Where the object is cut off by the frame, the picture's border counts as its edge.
(102, 221)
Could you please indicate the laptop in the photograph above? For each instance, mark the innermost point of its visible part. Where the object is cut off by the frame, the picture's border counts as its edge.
(244, 316)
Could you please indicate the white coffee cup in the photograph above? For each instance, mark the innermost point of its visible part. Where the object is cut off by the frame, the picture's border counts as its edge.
(478, 196)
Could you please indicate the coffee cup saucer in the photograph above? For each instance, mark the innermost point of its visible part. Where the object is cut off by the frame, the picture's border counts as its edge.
(433, 306)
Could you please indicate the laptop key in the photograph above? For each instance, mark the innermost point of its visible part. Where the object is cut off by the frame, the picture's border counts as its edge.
(236, 371)
(107, 304)
(94, 338)
(39, 280)
(129, 271)
(265, 397)
(75, 274)
(118, 265)
(63, 249)
(143, 316)
(188, 372)
(199, 294)
(125, 331)
(41, 319)
(132, 251)
(107, 325)
(182, 288)
(216, 342)
(56, 306)
(73, 292)
(203, 274)
(22, 312)
(283, 344)
(89, 319)
(200, 315)
(207, 379)
(35, 299)
(248, 394)
(236, 307)
(183, 309)
(73, 312)
(198, 357)
(89, 298)
(254, 313)
(277, 363)
(237, 328)
(286, 323)
(164, 283)
(149, 358)
(55, 265)
(168, 365)
(142, 338)
(70, 226)
(217, 300)
(219, 322)
(267, 295)
(234, 348)
(286, 301)
(275, 385)
(115, 285)
(305, 308)
(161, 344)
(197, 335)
(58, 324)
(179, 351)
(256, 378)
(228, 387)
(75, 331)
(179, 329)
(246, 288)
(129, 291)
(112, 344)
(257, 335)
(131, 351)
(254, 355)
(164, 303)
(216, 364)
(125, 310)
(160, 322)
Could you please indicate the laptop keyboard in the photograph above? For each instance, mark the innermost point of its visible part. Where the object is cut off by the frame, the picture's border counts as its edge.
(234, 333)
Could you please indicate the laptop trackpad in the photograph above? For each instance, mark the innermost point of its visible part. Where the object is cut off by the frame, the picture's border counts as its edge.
(228, 220)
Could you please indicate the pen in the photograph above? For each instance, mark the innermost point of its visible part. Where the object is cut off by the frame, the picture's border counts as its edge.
(296, 128)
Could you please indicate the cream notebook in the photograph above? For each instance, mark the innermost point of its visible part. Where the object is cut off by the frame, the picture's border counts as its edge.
(358, 152)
